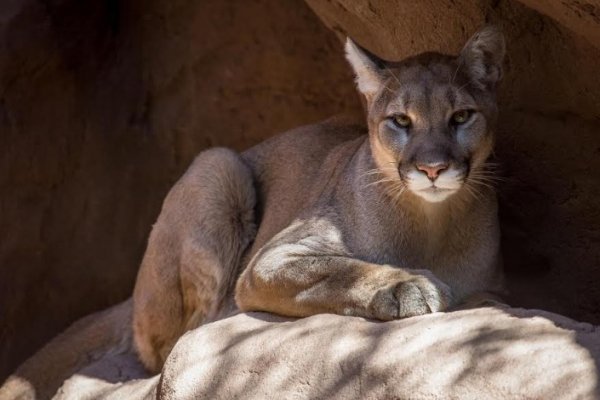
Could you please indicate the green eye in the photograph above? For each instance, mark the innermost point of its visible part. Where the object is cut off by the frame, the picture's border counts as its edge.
(460, 117)
(402, 120)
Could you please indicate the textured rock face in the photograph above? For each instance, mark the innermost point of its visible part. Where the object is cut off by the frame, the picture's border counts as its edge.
(102, 106)
(581, 16)
(548, 142)
(471, 354)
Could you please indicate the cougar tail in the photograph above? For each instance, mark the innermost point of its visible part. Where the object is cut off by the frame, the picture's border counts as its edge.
(102, 334)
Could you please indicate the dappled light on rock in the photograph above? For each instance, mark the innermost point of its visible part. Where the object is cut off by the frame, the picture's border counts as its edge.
(480, 353)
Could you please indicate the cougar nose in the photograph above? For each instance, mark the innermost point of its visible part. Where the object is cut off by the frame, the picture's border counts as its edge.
(432, 170)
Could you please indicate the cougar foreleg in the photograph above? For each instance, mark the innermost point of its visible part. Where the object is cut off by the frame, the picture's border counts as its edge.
(305, 273)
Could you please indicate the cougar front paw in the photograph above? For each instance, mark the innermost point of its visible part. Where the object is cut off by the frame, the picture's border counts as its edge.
(418, 295)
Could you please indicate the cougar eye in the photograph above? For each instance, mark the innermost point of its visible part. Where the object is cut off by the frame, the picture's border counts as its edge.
(460, 117)
(401, 120)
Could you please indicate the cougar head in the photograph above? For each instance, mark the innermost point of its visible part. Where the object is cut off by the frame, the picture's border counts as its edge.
(430, 116)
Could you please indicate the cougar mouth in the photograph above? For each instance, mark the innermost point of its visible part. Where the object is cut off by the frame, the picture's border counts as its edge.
(434, 190)
(435, 194)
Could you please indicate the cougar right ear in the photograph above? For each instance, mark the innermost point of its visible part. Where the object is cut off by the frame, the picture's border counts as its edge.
(369, 69)
(483, 55)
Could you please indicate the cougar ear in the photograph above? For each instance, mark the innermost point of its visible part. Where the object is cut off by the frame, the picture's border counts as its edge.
(483, 55)
(368, 68)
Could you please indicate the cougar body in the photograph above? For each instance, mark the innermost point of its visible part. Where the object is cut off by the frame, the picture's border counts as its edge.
(384, 221)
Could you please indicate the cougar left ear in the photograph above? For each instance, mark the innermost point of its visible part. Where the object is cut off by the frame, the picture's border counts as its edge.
(482, 56)
(369, 69)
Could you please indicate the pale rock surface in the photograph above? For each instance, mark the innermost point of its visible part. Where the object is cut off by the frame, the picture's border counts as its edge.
(486, 353)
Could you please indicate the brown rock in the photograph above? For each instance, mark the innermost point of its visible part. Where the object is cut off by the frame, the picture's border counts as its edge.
(580, 16)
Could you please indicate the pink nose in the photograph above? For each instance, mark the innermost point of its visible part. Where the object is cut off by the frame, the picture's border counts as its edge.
(432, 170)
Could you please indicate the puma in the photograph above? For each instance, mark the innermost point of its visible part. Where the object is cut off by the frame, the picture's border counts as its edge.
(388, 222)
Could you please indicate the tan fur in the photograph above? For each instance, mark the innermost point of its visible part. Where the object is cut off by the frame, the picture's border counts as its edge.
(328, 218)
(193, 253)
(347, 222)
